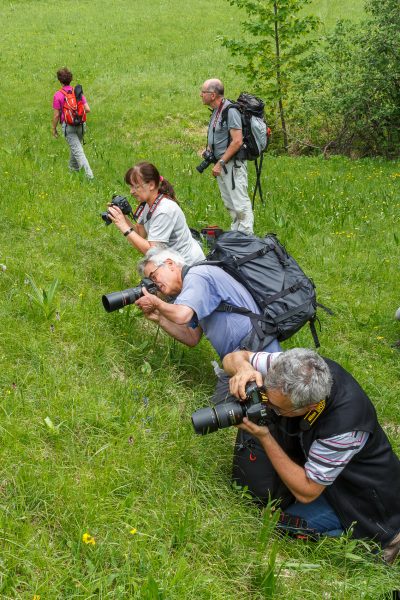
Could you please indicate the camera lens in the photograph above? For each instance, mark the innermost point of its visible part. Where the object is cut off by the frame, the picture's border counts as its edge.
(202, 166)
(106, 218)
(229, 413)
(209, 419)
(117, 300)
(205, 420)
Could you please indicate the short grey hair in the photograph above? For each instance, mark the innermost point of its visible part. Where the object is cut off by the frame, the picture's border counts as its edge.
(216, 86)
(300, 374)
(158, 256)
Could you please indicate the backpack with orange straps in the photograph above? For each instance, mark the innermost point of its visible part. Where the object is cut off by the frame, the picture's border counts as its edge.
(74, 108)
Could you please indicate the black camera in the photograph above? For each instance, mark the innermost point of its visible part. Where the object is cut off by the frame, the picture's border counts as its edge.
(122, 204)
(210, 418)
(209, 159)
(117, 300)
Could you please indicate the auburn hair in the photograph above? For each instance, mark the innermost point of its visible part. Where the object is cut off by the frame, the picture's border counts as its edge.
(147, 172)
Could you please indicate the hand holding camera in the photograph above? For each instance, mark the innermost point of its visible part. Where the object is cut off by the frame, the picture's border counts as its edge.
(147, 302)
(225, 414)
(238, 383)
(118, 218)
(115, 215)
(209, 159)
(258, 431)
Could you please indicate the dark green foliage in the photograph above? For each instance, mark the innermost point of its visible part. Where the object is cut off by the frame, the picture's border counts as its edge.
(348, 99)
(342, 97)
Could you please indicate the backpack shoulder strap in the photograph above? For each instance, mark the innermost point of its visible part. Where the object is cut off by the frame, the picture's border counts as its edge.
(225, 111)
(254, 318)
(186, 268)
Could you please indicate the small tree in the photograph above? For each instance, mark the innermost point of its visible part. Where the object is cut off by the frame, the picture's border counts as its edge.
(276, 41)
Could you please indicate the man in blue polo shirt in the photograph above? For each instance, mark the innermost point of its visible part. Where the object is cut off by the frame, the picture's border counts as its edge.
(198, 295)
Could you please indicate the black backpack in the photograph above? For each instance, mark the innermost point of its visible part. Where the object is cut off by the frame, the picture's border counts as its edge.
(285, 295)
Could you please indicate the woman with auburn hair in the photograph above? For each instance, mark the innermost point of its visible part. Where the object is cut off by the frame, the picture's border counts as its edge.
(159, 219)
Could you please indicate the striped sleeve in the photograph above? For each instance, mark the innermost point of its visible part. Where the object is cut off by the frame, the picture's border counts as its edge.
(327, 458)
(261, 361)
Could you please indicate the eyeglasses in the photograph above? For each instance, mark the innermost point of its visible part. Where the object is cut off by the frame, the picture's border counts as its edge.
(136, 186)
(206, 92)
(151, 275)
(278, 411)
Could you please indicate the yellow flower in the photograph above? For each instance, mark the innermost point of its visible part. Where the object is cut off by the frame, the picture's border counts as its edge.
(133, 531)
(36, 597)
(88, 539)
(380, 337)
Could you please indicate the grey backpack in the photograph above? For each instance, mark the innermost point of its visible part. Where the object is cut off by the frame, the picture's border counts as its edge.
(285, 295)
(254, 128)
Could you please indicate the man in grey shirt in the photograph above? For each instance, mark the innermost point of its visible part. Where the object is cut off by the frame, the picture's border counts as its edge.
(225, 139)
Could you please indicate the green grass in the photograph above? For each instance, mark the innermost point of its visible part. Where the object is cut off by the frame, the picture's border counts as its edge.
(95, 408)
(329, 11)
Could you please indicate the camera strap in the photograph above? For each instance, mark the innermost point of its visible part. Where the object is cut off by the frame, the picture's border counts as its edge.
(138, 212)
(214, 122)
(309, 419)
(154, 206)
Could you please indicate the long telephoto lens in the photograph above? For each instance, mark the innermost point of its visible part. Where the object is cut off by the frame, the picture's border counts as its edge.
(209, 419)
(117, 300)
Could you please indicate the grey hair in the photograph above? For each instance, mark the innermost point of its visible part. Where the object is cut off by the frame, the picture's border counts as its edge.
(300, 374)
(158, 256)
(215, 85)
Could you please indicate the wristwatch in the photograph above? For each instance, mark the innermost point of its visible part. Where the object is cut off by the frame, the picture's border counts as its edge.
(222, 162)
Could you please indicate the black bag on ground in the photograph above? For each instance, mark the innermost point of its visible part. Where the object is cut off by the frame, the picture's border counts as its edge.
(285, 295)
(253, 469)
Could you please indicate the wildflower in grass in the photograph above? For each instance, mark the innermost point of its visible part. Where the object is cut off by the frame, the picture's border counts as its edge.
(380, 337)
(36, 597)
(88, 539)
(133, 531)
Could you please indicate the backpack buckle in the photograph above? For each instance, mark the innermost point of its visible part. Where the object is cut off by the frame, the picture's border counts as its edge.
(227, 307)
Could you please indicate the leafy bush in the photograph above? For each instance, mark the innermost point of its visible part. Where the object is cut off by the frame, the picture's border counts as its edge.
(347, 100)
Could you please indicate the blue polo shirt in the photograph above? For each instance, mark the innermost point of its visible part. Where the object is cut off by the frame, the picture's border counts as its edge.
(204, 288)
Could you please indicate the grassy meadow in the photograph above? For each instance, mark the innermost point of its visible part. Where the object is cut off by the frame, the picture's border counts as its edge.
(105, 491)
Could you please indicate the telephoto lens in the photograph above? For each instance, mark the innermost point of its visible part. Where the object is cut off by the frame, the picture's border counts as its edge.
(117, 300)
(210, 418)
(225, 414)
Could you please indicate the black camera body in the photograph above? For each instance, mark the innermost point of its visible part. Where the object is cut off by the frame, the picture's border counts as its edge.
(209, 159)
(122, 204)
(225, 414)
(117, 300)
